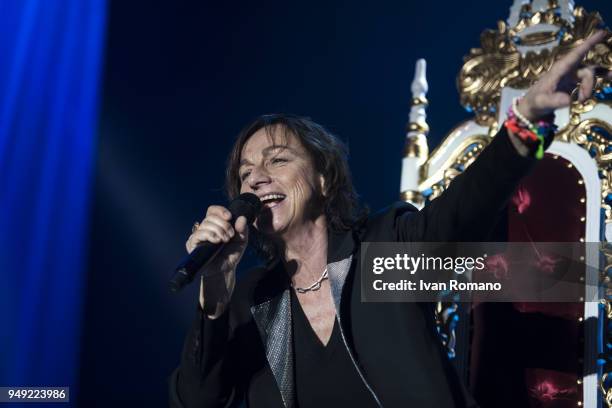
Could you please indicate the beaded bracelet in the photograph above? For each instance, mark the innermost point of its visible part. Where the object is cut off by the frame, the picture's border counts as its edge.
(529, 133)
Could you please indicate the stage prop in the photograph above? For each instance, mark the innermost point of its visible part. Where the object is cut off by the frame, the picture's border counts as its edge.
(530, 354)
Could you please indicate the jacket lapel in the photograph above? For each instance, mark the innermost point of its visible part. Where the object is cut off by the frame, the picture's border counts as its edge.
(340, 249)
(273, 319)
(338, 271)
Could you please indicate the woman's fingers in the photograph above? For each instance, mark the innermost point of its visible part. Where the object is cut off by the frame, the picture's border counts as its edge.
(218, 227)
(218, 223)
(242, 228)
(572, 59)
(215, 228)
(202, 236)
(219, 211)
(559, 100)
(587, 82)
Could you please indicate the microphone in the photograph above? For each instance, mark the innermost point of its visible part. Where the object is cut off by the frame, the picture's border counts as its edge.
(247, 204)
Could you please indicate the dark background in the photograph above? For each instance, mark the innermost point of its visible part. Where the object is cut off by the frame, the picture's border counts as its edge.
(180, 80)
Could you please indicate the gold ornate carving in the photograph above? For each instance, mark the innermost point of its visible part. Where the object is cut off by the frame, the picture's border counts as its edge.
(499, 63)
(416, 146)
(420, 100)
(606, 251)
(444, 313)
(462, 156)
(607, 393)
(421, 127)
(594, 136)
(539, 38)
(465, 154)
(413, 197)
(607, 306)
(601, 84)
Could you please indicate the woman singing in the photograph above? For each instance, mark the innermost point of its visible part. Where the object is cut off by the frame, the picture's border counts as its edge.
(294, 333)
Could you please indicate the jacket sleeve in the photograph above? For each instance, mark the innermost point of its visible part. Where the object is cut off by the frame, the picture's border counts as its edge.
(206, 376)
(469, 208)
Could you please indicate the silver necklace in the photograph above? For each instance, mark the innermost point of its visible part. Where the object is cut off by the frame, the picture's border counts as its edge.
(314, 286)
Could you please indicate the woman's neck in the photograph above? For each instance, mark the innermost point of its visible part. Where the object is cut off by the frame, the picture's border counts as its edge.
(305, 252)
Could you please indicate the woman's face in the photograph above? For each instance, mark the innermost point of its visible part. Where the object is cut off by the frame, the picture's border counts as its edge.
(275, 166)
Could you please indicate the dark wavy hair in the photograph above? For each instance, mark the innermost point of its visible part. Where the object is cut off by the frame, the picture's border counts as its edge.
(342, 207)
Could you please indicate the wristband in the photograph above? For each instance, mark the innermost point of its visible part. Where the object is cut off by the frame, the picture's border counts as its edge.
(525, 130)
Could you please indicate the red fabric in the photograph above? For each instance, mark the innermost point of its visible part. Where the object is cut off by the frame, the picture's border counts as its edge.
(527, 354)
(550, 389)
(546, 208)
(521, 199)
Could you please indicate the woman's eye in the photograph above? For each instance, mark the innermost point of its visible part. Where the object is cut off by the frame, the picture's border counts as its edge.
(278, 160)
(244, 175)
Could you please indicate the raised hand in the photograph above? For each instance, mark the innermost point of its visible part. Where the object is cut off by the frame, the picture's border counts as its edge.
(553, 90)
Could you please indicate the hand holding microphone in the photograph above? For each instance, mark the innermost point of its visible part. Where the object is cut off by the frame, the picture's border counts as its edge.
(215, 228)
(219, 241)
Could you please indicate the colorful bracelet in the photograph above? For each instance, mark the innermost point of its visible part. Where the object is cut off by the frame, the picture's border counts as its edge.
(529, 133)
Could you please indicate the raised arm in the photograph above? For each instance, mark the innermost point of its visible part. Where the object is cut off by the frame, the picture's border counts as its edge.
(470, 207)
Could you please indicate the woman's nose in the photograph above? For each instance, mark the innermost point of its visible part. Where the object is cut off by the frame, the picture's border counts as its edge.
(259, 177)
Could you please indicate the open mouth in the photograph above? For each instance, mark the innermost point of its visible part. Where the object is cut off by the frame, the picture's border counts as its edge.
(272, 200)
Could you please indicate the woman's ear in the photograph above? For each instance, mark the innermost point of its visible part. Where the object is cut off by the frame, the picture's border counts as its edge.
(322, 185)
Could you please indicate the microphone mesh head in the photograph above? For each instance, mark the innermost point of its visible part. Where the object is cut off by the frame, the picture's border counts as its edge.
(247, 204)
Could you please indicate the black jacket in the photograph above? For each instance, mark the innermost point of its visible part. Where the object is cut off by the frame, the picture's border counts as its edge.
(246, 354)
